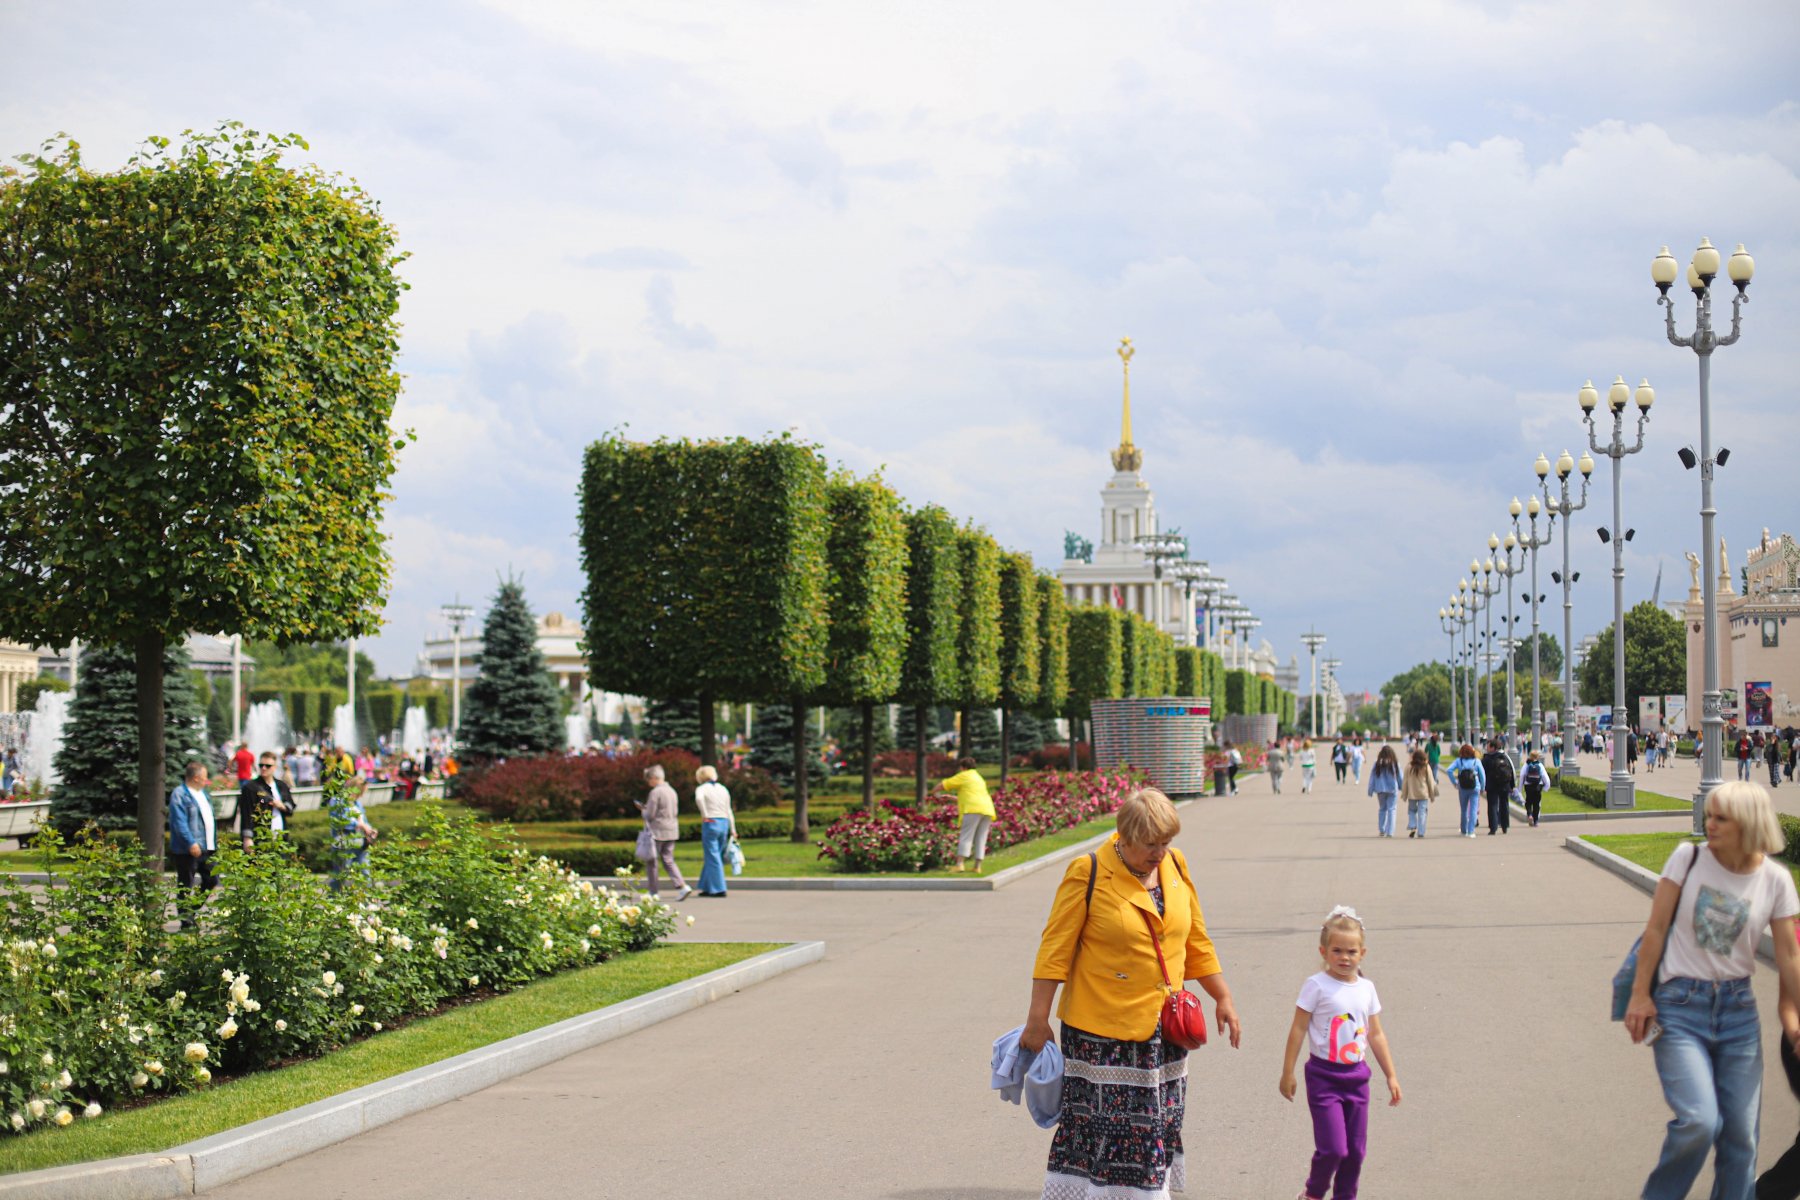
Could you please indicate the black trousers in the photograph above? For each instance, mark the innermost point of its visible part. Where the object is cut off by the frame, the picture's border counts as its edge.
(1499, 812)
(195, 872)
(1534, 800)
(1782, 1181)
(1340, 768)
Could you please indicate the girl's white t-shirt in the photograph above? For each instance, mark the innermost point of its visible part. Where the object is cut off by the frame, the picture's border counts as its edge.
(1721, 914)
(1339, 1032)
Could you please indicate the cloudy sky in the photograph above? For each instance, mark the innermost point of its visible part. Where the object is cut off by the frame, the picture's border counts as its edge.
(1367, 253)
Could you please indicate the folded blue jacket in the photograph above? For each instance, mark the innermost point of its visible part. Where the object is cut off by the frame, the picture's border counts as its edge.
(1037, 1076)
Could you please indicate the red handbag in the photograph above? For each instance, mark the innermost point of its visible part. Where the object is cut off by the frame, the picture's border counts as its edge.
(1183, 1016)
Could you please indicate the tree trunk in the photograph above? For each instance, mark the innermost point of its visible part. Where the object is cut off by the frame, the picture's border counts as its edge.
(150, 746)
(868, 755)
(919, 757)
(1005, 740)
(709, 741)
(964, 744)
(801, 832)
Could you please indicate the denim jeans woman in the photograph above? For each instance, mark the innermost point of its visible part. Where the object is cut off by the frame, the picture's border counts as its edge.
(1709, 1059)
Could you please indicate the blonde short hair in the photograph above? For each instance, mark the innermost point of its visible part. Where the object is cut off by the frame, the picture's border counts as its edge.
(706, 775)
(1147, 816)
(1748, 804)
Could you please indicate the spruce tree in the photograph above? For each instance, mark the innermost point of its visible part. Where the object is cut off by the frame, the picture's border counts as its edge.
(1027, 732)
(983, 740)
(906, 727)
(98, 761)
(513, 706)
(772, 744)
(672, 723)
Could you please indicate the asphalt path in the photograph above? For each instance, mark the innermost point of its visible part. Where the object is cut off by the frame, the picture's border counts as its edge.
(866, 1074)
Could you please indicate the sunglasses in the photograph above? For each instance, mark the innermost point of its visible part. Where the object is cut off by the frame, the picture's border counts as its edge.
(267, 766)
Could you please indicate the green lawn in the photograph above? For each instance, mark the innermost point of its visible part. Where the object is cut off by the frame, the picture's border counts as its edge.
(1556, 801)
(1652, 850)
(774, 858)
(169, 1123)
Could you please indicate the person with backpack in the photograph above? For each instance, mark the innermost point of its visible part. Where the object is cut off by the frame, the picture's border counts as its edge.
(1533, 782)
(1470, 780)
(1384, 785)
(1340, 758)
(1497, 772)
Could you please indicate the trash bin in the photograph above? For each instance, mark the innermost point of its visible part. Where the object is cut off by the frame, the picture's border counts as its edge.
(1221, 785)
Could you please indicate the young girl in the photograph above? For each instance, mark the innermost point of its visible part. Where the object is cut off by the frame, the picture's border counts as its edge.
(1534, 781)
(1384, 785)
(1337, 1015)
(1309, 765)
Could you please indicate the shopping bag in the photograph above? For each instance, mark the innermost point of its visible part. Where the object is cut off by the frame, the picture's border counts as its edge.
(736, 855)
(646, 847)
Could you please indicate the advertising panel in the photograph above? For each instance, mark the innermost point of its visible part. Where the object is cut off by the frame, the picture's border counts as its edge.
(1675, 713)
(1759, 706)
(1650, 718)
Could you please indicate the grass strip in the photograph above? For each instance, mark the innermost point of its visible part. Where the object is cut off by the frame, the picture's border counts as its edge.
(1652, 850)
(1561, 802)
(166, 1123)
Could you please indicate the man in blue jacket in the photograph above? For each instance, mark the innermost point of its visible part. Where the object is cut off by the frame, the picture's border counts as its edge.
(192, 835)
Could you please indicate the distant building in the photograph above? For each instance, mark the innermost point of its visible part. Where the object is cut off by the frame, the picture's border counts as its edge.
(17, 664)
(558, 640)
(1759, 638)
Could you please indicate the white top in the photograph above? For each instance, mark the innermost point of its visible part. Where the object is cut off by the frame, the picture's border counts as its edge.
(1721, 914)
(211, 840)
(713, 800)
(1339, 1032)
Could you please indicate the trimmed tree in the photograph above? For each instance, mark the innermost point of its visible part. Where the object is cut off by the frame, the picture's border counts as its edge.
(1096, 667)
(706, 575)
(866, 599)
(1053, 649)
(1021, 650)
(513, 706)
(1190, 668)
(978, 634)
(196, 383)
(98, 758)
(929, 672)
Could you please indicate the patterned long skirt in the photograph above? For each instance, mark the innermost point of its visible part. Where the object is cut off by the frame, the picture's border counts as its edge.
(1120, 1134)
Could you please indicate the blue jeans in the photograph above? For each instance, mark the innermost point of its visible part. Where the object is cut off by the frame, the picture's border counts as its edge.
(1416, 811)
(1470, 801)
(1384, 815)
(715, 835)
(1709, 1059)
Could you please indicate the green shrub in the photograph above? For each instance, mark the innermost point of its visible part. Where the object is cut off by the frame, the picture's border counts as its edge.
(588, 857)
(1579, 787)
(1790, 833)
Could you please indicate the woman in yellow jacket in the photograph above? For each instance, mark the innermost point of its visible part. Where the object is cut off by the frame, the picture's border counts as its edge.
(1122, 1139)
(975, 807)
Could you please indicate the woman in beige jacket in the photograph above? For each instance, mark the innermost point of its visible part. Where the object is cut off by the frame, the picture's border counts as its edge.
(1419, 788)
(659, 809)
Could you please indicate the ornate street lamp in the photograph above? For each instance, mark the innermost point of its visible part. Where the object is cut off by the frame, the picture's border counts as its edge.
(1533, 542)
(1161, 549)
(1702, 270)
(1487, 587)
(1621, 792)
(1450, 622)
(1188, 573)
(456, 613)
(1312, 640)
(1565, 466)
(1508, 568)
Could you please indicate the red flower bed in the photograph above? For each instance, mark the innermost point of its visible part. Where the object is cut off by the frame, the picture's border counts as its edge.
(898, 837)
(900, 764)
(593, 788)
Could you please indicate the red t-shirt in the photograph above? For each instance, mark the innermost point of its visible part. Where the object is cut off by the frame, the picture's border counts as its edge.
(245, 763)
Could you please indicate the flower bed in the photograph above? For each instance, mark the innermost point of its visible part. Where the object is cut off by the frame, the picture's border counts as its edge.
(594, 787)
(100, 1004)
(899, 837)
(902, 764)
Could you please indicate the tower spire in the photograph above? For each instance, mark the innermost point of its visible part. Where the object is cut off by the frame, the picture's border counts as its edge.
(1127, 457)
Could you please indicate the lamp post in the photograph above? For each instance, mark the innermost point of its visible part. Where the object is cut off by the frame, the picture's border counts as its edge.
(237, 689)
(1702, 270)
(1449, 623)
(1469, 603)
(1189, 573)
(1621, 792)
(1508, 569)
(456, 613)
(1312, 640)
(1487, 587)
(1533, 542)
(1161, 549)
(1565, 466)
(1213, 588)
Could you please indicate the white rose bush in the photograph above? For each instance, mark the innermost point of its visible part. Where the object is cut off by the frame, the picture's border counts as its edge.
(103, 1000)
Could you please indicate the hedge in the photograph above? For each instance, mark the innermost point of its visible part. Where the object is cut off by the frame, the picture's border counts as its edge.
(1580, 787)
(555, 788)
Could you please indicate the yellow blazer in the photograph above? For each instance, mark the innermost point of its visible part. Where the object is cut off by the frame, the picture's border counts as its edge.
(1103, 954)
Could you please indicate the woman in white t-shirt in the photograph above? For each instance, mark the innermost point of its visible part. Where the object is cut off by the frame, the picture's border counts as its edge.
(1714, 901)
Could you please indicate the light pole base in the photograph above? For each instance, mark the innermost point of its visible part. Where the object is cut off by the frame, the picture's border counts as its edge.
(1571, 769)
(1621, 793)
(1700, 813)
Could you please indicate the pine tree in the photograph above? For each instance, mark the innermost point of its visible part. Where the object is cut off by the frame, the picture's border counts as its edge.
(513, 706)
(98, 761)
(906, 727)
(772, 744)
(673, 723)
(1027, 732)
(983, 741)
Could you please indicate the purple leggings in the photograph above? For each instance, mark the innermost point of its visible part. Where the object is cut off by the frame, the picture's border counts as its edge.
(665, 854)
(1338, 1094)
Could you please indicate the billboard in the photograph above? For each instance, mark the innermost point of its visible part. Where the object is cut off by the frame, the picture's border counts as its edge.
(1675, 717)
(1650, 718)
(1759, 706)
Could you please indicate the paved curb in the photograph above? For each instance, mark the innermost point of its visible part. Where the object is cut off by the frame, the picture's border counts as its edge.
(1641, 878)
(1602, 814)
(202, 1165)
(900, 883)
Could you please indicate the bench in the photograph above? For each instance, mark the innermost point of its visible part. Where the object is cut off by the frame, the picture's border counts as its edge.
(20, 821)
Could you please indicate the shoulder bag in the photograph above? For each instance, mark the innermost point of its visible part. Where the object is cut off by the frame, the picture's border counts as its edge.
(1183, 1016)
(1627, 974)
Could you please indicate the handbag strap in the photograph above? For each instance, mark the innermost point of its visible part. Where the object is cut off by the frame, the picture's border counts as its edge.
(1692, 859)
(1157, 942)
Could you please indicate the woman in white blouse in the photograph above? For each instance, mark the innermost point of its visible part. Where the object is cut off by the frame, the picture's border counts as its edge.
(718, 828)
(1692, 993)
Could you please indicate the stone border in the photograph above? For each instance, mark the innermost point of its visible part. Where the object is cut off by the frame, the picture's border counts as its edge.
(902, 883)
(211, 1162)
(1641, 878)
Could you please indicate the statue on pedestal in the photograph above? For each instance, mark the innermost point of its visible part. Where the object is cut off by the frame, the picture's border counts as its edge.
(1077, 547)
(1693, 575)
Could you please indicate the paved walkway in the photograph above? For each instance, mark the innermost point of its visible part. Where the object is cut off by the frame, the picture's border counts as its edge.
(865, 1075)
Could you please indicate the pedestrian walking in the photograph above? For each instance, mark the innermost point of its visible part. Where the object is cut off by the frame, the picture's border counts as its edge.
(1234, 759)
(976, 809)
(1309, 765)
(1384, 785)
(1692, 998)
(193, 835)
(1435, 754)
(1649, 753)
(660, 809)
(1772, 754)
(1631, 750)
(718, 829)
(1337, 1017)
(1498, 781)
(1556, 749)
(1340, 758)
(1356, 760)
(1744, 748)
(1418, 789)
(351, 833)
(1122, 916)
(1276, 766)
(1470, 780)
(1533, 782)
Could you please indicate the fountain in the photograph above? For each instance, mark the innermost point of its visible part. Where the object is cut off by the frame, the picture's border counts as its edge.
(265, 727)
(575, 729)
(343, 728)
(412, 732)
(45, 736)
